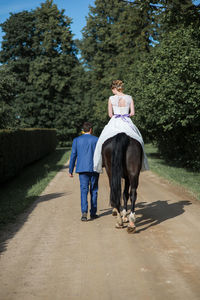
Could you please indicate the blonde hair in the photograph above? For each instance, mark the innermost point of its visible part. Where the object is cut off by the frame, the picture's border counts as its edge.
(117, 84)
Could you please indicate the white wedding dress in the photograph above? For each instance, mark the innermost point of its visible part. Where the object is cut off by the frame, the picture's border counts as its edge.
(120, 122)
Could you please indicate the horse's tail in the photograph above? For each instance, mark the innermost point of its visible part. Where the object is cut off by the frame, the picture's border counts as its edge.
(119, 146)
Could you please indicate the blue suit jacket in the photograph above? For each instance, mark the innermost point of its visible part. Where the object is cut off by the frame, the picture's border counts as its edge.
(83, 150)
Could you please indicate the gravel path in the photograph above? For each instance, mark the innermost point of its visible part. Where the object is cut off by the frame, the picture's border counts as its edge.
(51, 255)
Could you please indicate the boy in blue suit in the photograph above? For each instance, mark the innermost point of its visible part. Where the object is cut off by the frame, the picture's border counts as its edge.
(83, 151)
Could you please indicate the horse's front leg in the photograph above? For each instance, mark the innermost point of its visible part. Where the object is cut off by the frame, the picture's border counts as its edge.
(125, 198)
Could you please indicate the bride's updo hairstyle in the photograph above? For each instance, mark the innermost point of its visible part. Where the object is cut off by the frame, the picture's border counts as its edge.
(117, 84)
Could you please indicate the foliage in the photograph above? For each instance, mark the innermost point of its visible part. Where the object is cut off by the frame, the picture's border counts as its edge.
(15, 55)
(17, 52)
(50, 71)
(176, 13)
(166, 88)
(7, 93)
(43, 58)
(115, 35)
(151, 44)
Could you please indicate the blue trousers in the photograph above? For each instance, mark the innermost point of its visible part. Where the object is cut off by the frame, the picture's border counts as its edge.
(89, 180)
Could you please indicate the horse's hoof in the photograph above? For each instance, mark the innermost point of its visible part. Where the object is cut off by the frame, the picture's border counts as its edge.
(118, 226)
(125, 220)
(114, 213)
(131, 229)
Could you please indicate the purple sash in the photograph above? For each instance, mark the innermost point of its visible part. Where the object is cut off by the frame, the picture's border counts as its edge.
(123, 117)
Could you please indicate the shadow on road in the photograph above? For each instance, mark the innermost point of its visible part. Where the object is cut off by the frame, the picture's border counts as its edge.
(148, 215)
(157, 212)
(15, 203)
(106, 211)
(10, 230)
(154, 213)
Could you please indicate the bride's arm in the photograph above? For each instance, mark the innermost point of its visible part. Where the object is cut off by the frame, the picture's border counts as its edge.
(132, 109)
(110, 111)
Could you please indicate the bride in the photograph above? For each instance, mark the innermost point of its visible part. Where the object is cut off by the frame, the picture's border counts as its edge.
(120, 109)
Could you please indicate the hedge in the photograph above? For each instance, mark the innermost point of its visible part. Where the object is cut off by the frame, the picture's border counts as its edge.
(21, 147)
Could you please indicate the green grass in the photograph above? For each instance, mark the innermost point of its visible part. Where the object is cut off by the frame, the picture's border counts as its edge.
(183, 177)
(17, 194)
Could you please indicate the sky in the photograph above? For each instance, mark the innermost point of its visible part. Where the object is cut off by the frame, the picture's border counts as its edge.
(75, 9)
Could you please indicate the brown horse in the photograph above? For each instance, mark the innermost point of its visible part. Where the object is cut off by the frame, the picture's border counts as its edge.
(122, 158)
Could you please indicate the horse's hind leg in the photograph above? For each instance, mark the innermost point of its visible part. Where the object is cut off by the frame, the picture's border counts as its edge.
(133, 195)
(125, 198)
(119, 223)
(108, 171)
(116, 212)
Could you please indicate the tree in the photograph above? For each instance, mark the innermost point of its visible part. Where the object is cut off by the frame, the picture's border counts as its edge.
(7, 93)
(166, 88)
(17, 53)
(115, 35)
(174, 13)
(43, 57)
(51, 104)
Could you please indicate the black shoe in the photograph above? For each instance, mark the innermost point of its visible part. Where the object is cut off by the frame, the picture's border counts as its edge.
(94, 216)
(84, 217)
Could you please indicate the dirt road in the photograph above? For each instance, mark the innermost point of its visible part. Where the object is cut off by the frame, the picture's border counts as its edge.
(51, 255)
